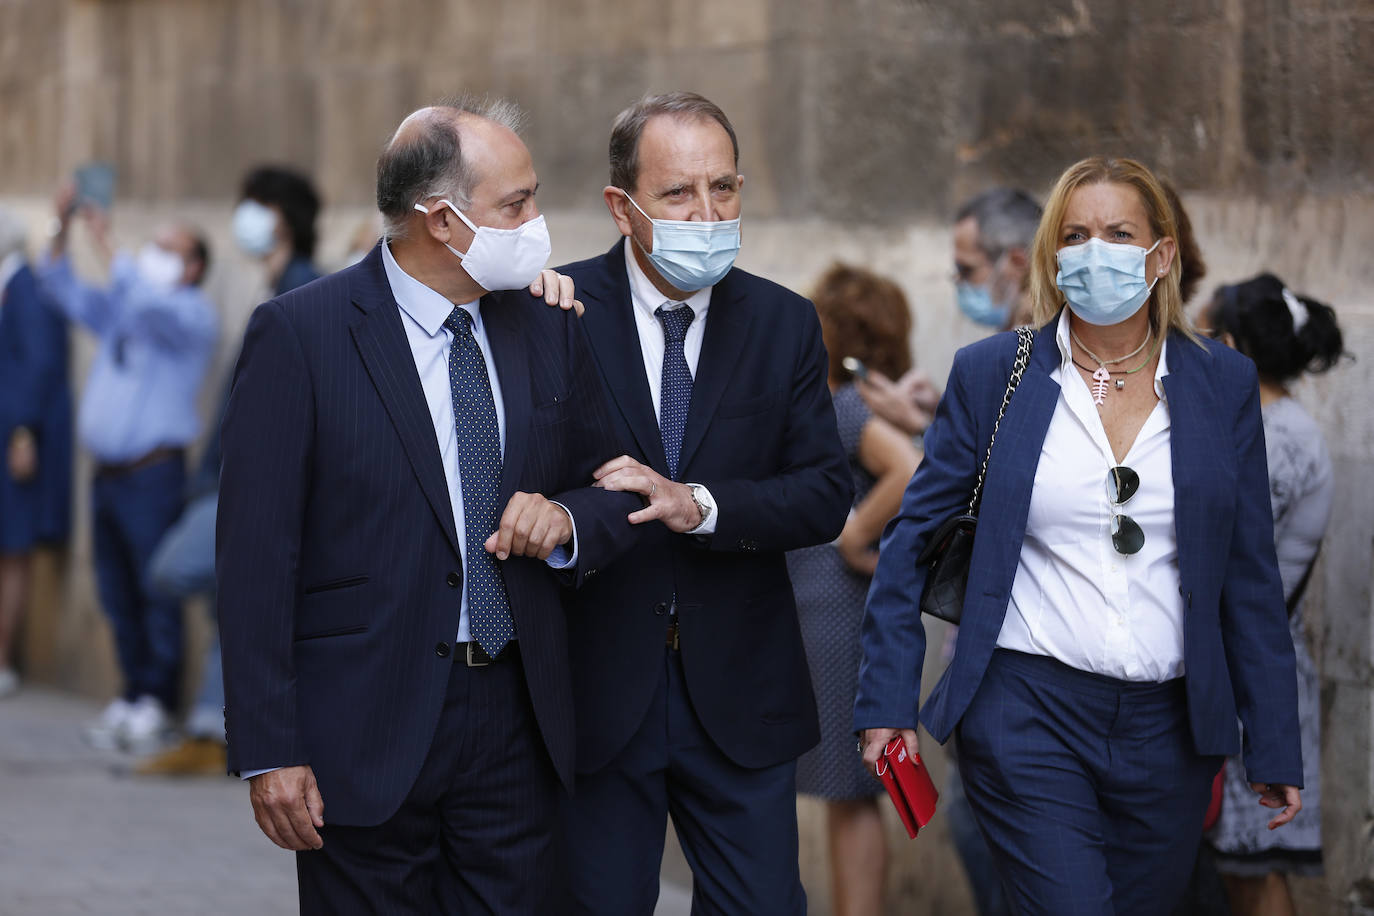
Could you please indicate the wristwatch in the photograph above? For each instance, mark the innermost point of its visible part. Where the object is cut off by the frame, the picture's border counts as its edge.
(705, 504)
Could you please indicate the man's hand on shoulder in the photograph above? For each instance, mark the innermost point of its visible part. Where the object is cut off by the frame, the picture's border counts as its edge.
(556, 290)
(531, 526)
(288, 807)
(666, 500)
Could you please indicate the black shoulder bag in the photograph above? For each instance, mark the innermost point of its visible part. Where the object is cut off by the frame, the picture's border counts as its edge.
(950, 548)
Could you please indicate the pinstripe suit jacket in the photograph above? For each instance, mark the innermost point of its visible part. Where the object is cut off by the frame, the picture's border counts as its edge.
(1238, 655)
(337, 560)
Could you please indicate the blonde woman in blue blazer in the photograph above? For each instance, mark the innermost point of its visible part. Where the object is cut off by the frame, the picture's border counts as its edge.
(1123, 602)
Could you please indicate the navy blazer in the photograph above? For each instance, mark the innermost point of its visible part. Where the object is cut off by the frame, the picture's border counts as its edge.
(337, 557)
(761, 436)
(1238, 655)
(33, 347)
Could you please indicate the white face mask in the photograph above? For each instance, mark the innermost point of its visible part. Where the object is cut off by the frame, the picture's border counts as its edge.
(159, 268)
(502, 258)
(255, 228)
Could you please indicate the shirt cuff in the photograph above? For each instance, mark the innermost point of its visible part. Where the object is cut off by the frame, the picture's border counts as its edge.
(249, 774)
(562, 558)
(708, 524)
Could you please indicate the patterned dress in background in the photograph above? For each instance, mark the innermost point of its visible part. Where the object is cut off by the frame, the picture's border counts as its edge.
(830, 605)
(1300, 486)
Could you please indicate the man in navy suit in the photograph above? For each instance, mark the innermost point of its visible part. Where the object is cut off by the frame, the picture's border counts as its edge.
(692, 691)
(393, 640)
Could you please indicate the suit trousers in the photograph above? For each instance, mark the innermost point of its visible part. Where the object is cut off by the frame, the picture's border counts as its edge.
(130, 513)
(474, 835)
(1087, 788)
(737, 826)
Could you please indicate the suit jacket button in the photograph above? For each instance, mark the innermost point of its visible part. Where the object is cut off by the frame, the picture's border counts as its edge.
(441, 650)
(660, 609)
(454, 580)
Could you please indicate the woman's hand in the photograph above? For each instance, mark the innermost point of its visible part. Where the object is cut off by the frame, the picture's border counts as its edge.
(875, 739)
(1277, 795)
(859, 557)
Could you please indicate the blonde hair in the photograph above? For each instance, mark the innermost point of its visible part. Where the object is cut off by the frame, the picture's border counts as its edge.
(1166, 301)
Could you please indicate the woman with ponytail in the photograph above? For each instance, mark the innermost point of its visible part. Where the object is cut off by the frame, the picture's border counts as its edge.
(1286, 335)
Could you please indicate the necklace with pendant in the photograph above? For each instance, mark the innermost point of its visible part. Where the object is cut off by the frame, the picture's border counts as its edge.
(1102, 376)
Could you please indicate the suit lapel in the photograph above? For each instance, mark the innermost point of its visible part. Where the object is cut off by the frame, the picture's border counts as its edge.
(1021, 437)
(727, 327)
(510, 353)
(381, 342)
(610, 324)
(1190, 441)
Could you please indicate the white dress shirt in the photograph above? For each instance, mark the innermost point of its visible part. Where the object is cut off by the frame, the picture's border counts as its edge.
(646, 299)
(1074, 597)
(10, 265)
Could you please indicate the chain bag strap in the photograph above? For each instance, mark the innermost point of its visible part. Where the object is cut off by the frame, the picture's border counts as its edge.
(950, 549)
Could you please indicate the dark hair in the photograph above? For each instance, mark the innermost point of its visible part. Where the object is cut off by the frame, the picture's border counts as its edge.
(430, 163)
(1006, 218)
(1192, 268)
(865, 316)
(1256, 314)
(200, 250)
(629, 125)
(292, 194)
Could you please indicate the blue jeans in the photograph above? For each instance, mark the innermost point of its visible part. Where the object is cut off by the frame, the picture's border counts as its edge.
(184, 566)
(131, 513)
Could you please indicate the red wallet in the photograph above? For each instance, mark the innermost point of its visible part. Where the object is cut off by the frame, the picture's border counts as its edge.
(908, 782)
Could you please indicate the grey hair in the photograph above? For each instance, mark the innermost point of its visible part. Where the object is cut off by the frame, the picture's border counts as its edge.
(629, 125)
(14, 234)
(429, 162)
(1006, 218)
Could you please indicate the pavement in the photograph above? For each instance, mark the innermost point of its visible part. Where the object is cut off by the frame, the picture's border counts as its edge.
(80, 834)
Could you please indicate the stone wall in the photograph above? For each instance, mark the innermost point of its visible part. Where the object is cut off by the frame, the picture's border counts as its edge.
(862, 124)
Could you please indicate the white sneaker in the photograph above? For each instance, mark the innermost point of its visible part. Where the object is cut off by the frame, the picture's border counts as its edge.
(146, 727)
(103, 733)
(9, 682)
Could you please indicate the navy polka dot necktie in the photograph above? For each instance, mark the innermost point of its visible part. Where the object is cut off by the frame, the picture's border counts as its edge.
(479, 475)
(675, 394)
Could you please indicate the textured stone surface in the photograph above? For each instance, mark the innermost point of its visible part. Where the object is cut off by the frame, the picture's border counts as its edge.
(862, 124)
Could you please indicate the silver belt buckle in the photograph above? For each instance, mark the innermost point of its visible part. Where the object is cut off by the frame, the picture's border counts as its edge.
(471, 662)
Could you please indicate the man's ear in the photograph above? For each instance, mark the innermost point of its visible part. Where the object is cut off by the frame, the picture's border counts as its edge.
(620, 206)
(437, 222)
(1018, 259)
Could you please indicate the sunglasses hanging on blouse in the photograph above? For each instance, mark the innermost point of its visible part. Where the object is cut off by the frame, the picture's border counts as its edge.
(1122, 484)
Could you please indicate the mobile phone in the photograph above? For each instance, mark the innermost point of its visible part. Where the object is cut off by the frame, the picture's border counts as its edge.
(856, 367)
(95, 185)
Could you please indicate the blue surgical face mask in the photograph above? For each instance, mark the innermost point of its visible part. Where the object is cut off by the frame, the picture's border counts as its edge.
(255, 228)
(692, 255)
(1104, 282)
(976, 302)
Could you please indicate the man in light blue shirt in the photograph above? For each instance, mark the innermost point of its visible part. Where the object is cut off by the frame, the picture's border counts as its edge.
(156, 333)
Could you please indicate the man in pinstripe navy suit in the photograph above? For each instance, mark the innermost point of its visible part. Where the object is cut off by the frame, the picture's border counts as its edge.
(388, 594)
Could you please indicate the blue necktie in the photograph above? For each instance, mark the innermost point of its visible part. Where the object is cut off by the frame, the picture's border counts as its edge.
(479, 475)
(675, 393)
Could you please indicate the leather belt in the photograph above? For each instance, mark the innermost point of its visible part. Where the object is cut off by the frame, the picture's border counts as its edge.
(156, 456)
(672, 641)
(474, 656)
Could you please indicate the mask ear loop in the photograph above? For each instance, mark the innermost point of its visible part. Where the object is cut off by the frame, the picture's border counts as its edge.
(458, 213)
